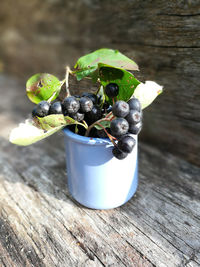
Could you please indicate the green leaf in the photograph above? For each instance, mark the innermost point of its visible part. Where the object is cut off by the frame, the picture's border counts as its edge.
(88, 64)
(107, 56)
(105, 124)
(35, 130)
(42, 86)
(124, 79)
(85, 72)
(51, 121)
(26, 133)
(147, 92)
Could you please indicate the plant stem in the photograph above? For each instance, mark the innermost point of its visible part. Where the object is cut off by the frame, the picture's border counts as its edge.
(109, 135)
(84, 122)
(54, 93)
(51, 97)
(108, 115)
(113, 100)
(68, 71)
(96, 122)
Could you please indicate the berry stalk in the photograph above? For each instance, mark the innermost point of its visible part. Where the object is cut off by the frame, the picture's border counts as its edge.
(68, 71)
(92, 125)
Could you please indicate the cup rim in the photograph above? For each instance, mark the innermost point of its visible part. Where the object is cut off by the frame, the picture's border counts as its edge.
(86, 140)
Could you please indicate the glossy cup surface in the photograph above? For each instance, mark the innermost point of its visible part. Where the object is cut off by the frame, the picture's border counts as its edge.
(96, 179)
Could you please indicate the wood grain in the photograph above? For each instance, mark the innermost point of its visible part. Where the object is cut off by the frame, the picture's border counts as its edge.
(41, 225)
(162, 36)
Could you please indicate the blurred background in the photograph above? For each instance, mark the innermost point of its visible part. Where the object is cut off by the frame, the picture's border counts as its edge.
(163, 37)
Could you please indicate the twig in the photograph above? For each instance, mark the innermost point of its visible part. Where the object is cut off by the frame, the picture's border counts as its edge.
(92, 125)
(109, 135)
(68, 71)
(51, 97)
(108, 115)
(84, 122)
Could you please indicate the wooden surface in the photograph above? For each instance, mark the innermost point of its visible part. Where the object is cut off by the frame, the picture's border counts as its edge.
(41, 225)
(163, 37)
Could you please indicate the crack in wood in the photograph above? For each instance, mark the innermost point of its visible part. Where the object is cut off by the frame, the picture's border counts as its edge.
(141, 254)
(178, 15)
(172, 233)
(89, 253)
(81, 243)
(171, 200)
(14, 246)
(191, 258)
(115, 230)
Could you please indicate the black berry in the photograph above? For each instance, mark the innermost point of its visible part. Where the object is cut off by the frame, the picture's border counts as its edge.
(71, 105)
(119, 126)
(112, 90)
(120, 109)
(134, 103)
(65, 112)
(126, 143)
(109, 109)
(34, 112)
(118, 153)
(86, 104)
(134, 117)
(92, 96)
(135, 128)
(42, 109)
(77, 96)
(77, 116)
(94, 115)
(55, 108)
(106, 108)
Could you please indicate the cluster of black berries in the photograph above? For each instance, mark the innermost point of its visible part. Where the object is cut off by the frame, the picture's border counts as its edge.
(88, 107)
(77, 107)
(128, 121)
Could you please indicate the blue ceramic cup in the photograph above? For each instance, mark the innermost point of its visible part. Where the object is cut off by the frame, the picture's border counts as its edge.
(96, 179)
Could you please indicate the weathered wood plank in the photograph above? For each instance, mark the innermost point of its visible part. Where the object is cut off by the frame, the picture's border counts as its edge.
(157, 227)
(41, 225)
(162, 36)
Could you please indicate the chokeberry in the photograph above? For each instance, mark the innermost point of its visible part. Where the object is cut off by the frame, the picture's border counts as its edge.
(34, 112)
(65, 112)
(119, 126)
(77, 96)
(109, 109)
(94, 115)
(134, 103)
(42, 109)
(71, 105)
(86, 104)
(134, 117)
(92, 96)
(55, 108)
(77, 116)
(120, 109)
(135, 128)
(118, 153)
(126, 143)
(106, 108)
(112, 90)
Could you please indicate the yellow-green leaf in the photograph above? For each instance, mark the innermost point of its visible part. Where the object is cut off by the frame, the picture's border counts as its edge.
(147, 92)
(42, 86)
(26, 133)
